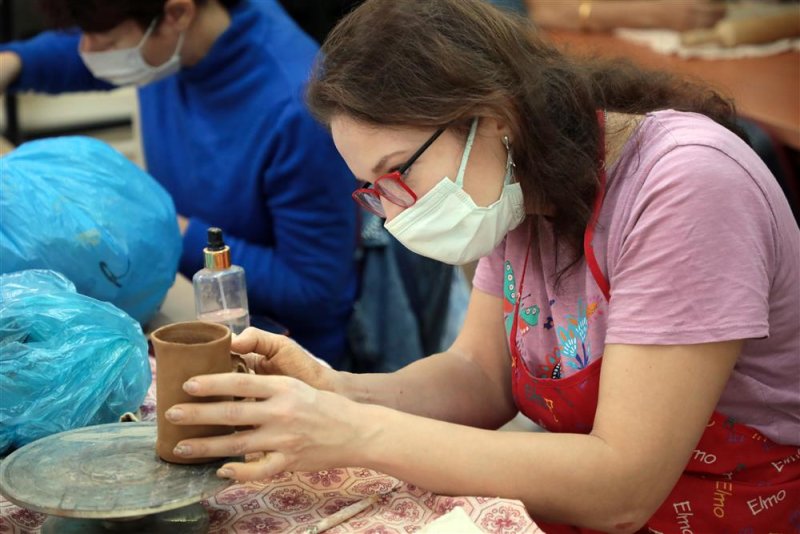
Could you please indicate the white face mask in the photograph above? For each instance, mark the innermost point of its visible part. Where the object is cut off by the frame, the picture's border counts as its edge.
(446, 224)
(128, 66)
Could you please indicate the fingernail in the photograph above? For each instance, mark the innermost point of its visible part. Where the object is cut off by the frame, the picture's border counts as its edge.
(182, 450)
(191, 386)
(174, 414)
(224, 472)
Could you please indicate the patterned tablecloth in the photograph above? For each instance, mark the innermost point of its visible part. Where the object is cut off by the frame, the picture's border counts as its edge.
(293, 502)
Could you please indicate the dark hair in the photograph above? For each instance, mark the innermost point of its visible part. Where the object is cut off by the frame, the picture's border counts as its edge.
(428, 63)
(99, 16)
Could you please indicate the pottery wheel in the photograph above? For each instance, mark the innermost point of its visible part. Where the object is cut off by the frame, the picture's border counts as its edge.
(103, 472)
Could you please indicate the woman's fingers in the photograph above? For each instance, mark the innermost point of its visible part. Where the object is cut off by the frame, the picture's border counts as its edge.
(273, 354)
(256, 362)
(237, 385)
(258, 341)
(267, 464)
(238, 444)
(706, 15)
(230, 413)
(267, 467)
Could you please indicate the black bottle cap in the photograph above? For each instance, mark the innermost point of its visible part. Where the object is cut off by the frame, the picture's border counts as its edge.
(215, 240)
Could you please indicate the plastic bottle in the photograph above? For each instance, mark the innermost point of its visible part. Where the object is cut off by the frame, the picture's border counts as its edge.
(220, 290)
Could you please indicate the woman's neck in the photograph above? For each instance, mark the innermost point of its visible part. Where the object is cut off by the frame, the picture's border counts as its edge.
(619, 128)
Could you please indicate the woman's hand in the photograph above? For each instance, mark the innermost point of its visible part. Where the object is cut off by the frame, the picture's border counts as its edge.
(274, 354)
(689, 15)
(300, 428)
(606, 15)
(183, 224)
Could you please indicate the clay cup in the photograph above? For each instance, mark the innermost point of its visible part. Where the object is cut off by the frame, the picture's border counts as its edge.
(184, 350)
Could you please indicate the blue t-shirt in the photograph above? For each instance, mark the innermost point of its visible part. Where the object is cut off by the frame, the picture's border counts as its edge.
(232, 141)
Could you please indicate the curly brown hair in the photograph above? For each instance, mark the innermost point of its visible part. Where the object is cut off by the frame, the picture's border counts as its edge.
(98, 16)
(428, 63)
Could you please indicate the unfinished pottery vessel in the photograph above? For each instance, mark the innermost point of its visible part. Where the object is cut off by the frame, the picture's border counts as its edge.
(184, 350)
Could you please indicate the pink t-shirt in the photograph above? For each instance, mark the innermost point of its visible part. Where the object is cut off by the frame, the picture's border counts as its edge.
(698, 244)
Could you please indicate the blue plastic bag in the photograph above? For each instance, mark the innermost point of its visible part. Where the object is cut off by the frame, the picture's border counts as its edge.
(66, 360)
(77, 206)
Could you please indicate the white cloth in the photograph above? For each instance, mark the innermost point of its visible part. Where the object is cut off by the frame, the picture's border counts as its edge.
(456, 521)
(669, 42)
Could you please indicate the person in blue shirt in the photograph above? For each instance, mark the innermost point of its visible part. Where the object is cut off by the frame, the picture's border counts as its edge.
(226, 132)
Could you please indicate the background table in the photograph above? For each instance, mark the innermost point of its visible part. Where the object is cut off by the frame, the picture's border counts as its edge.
(765, 89)
(5, 146)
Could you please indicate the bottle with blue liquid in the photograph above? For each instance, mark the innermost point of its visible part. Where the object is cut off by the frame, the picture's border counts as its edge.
(220, 290)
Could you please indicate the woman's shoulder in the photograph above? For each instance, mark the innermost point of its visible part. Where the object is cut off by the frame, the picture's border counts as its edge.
(691, 150)
(671, 129)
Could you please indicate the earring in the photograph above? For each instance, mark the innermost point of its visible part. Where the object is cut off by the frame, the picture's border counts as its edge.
(509, 161)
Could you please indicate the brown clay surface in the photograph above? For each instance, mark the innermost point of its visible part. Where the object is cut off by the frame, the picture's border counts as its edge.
(184, 350)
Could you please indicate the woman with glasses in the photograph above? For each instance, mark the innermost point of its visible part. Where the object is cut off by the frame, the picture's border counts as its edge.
(636, 294)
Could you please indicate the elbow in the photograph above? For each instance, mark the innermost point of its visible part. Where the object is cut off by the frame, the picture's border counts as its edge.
(632, 493)
(630, 510)
(615, 514)
(631, 487)
(625, 521)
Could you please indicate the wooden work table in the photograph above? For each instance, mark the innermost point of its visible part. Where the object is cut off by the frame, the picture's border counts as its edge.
(765, 89)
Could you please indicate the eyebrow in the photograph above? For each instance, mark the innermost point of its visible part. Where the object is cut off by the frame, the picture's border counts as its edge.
(382, 163)
(409, 161)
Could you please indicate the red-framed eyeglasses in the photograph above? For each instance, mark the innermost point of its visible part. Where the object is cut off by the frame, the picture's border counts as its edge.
(391, 186)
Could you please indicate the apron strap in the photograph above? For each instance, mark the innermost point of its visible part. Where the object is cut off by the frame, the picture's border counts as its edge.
(515, 321)
(588, 249)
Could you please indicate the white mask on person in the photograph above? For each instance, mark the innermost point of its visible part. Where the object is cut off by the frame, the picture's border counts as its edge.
(446, 224)
(128, 67)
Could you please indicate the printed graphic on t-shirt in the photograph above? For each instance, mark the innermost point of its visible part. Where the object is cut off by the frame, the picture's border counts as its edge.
(562, 341)
(551, 366)
(573, 338)
(529, 315)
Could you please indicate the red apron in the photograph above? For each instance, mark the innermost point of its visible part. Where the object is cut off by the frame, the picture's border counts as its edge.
(737, 480)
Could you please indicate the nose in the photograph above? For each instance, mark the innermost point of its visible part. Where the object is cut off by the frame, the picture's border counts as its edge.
(391, 209)
(90, 43)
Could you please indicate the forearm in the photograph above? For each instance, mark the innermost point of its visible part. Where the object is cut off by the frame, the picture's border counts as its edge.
(599, 16)
(571, 478)
(50, 63)
(449, 386)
